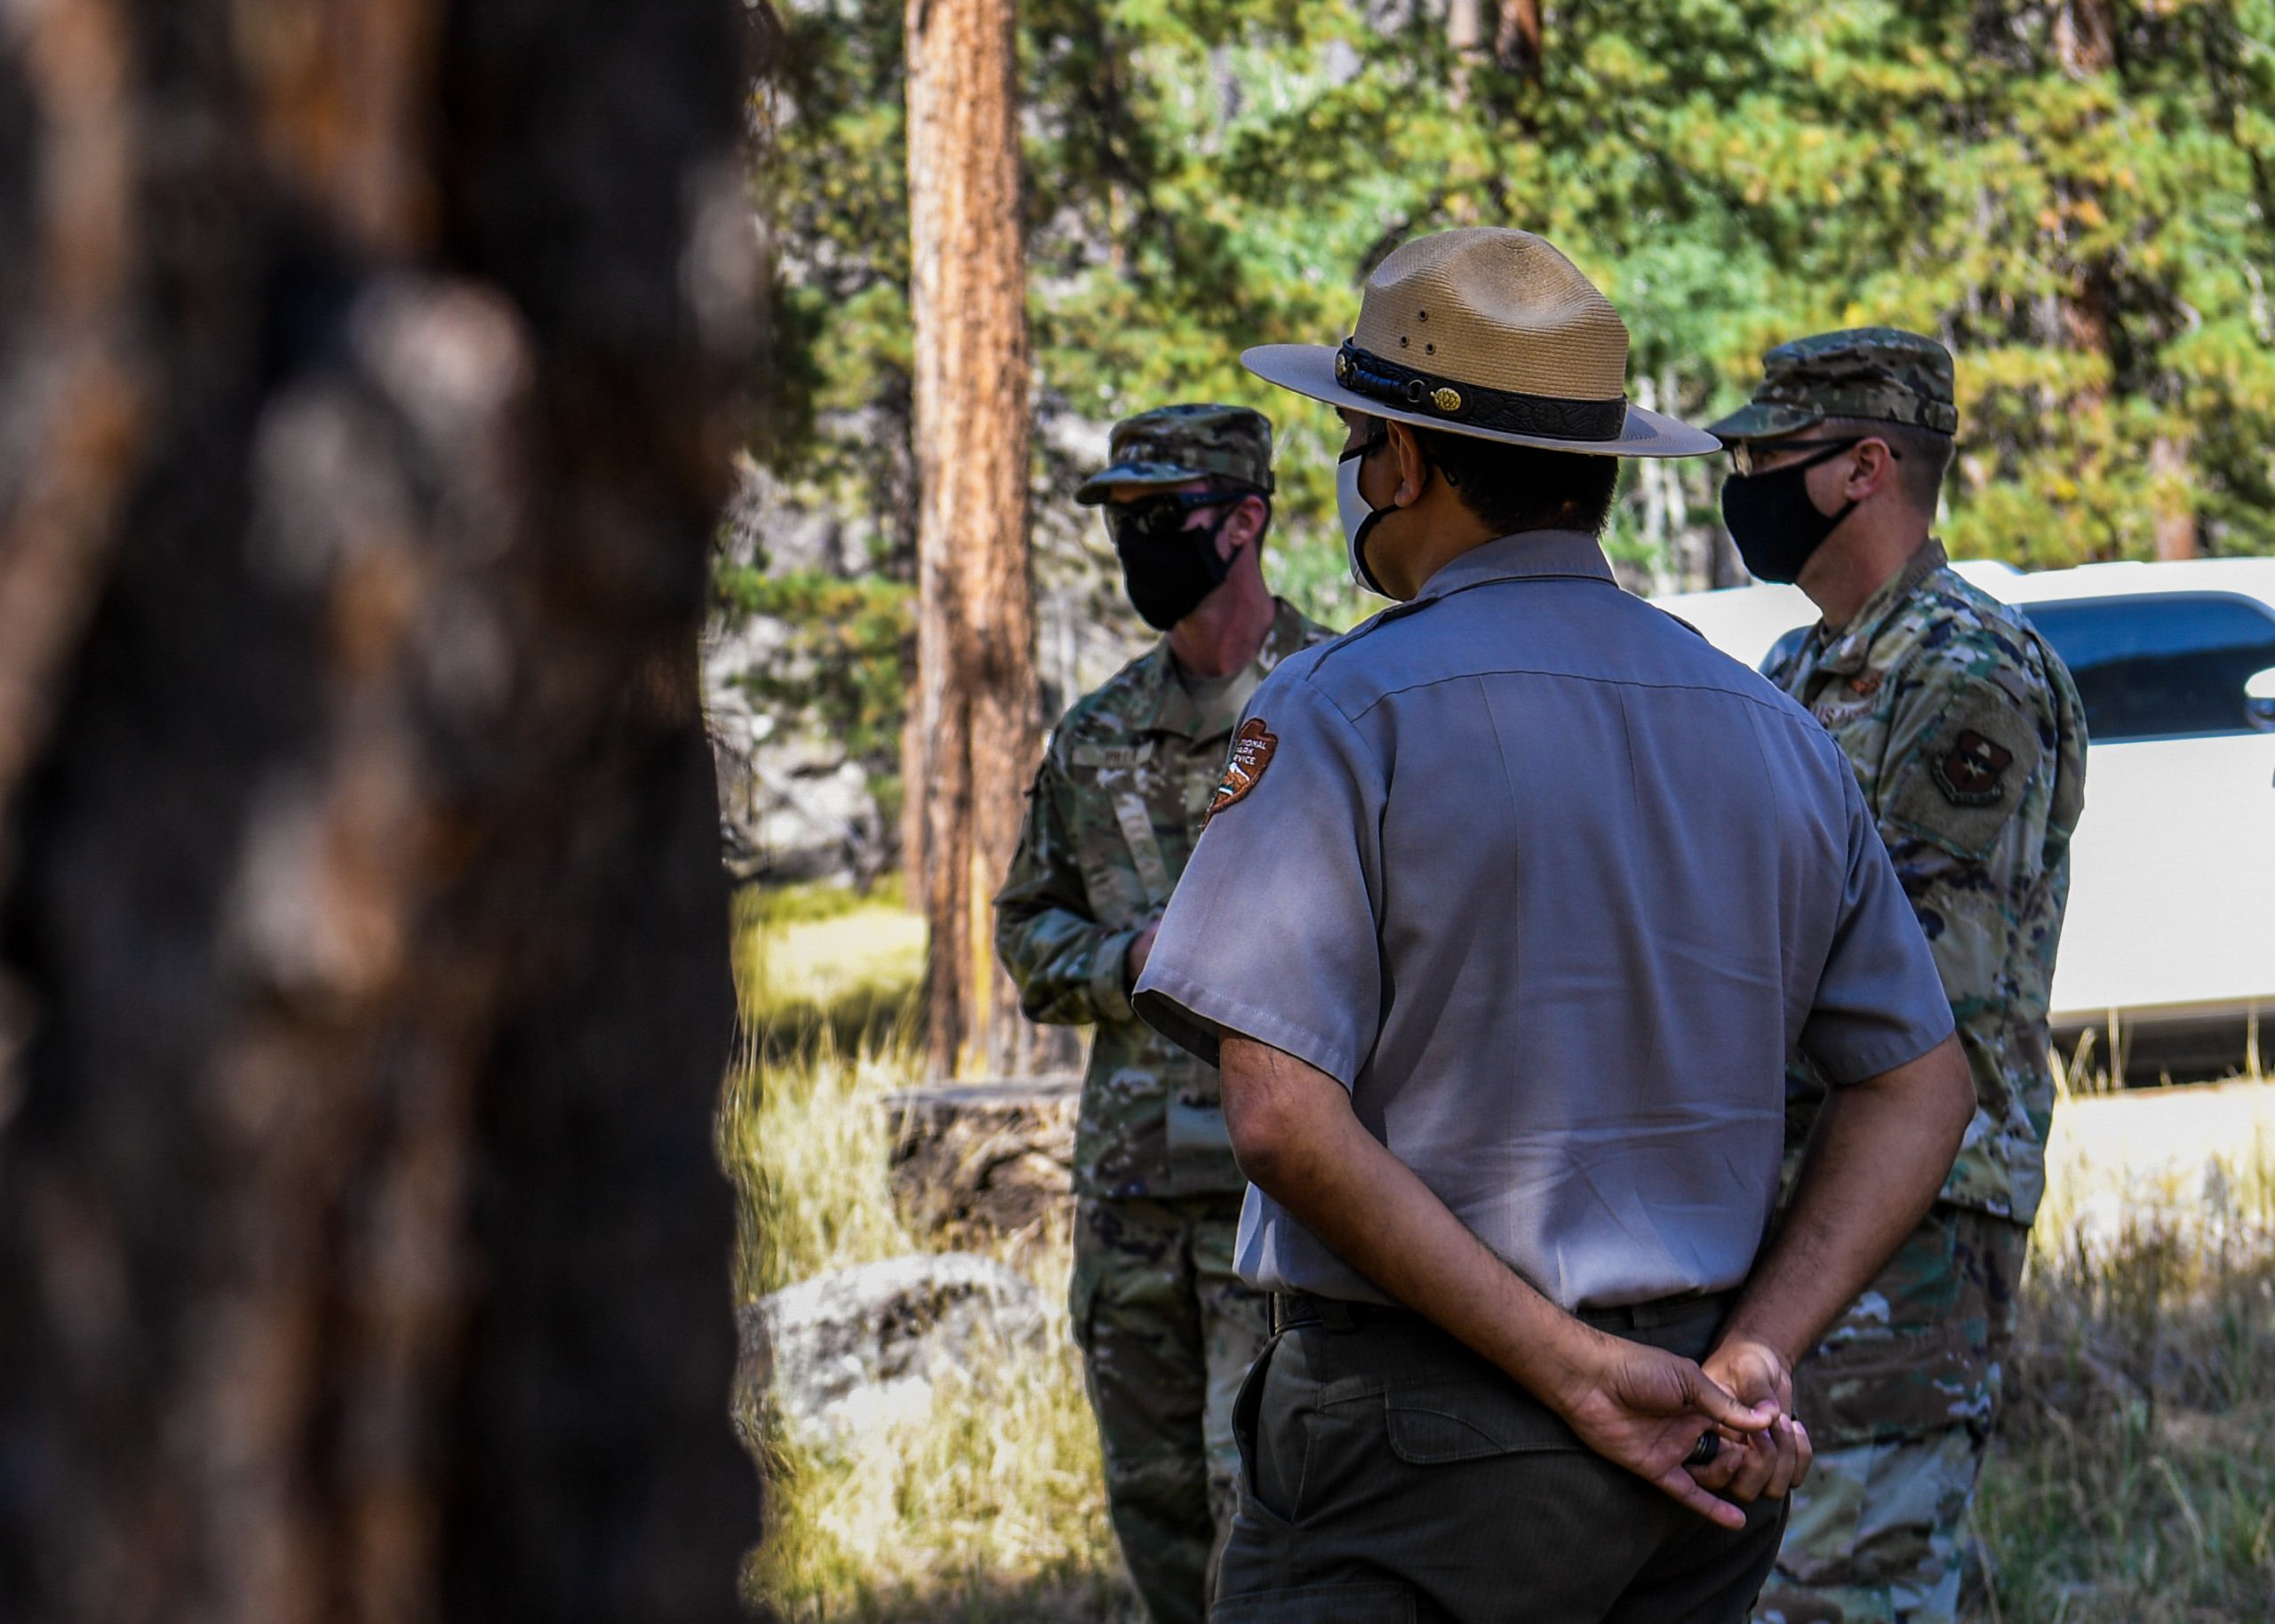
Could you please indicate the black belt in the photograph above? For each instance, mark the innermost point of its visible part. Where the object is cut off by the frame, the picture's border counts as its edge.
(1291, 1310)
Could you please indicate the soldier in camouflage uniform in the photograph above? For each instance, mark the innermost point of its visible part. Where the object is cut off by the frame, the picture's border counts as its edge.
(1968, 740)
(1167, 1329)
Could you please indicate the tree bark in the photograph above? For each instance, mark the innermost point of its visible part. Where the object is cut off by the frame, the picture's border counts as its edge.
(2085, 36)
(368, 375)
(1518, 41)
(977, 703)
(1465, 42)
(2173, 478)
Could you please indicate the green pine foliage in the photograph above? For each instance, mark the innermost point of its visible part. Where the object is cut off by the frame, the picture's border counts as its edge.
(2092, 240)
(849, 642)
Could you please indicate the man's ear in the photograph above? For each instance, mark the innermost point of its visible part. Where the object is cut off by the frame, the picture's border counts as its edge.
(1243, 527)
(1413, 467)
(1872, 468)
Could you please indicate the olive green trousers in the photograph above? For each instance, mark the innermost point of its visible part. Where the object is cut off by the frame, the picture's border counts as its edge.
(1389, 1474)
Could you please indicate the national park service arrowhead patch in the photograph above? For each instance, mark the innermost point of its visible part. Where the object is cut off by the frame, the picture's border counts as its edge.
(1252, 748)
(1968, 772)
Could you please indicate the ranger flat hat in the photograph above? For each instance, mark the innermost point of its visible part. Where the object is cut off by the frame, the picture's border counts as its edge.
(1491, 333)
(1171, 444)
(1883, 374)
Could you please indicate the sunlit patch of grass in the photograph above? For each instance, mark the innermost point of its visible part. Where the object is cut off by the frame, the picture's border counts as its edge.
(990, 1507)
(809, 1138)
(812, 956)
(2200, 1157)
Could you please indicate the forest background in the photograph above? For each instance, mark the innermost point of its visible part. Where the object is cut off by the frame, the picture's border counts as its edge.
(2075, 197)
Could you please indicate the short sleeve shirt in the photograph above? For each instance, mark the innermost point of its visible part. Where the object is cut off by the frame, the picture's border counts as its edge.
(1553, 887)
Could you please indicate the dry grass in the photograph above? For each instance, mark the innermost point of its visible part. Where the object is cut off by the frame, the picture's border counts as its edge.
(2133, 1483)
(990, 1507)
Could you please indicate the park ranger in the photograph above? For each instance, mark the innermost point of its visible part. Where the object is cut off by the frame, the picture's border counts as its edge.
(1969, 744)
(1167, 1330)
(1511, 905)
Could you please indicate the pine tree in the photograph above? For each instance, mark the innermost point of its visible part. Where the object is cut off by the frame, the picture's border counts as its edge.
(371, 378)
(973, 729)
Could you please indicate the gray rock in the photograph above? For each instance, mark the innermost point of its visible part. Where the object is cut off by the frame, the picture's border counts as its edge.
(845, 1354)
(792, 806)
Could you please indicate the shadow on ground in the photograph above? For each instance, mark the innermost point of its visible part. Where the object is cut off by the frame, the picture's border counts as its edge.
(1083, 1598)
(863, 1020)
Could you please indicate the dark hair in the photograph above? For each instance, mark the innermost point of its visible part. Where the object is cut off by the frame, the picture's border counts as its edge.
(1512, 488)
(1922, 456)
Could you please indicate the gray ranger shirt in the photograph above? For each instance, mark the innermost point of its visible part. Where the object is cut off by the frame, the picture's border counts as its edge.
(1554, 888)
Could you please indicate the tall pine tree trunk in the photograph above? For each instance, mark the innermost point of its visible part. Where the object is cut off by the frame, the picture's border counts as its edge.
(2086, 41)
(367, 377)
(1519, 39)
(2173, 478)
(976, 701)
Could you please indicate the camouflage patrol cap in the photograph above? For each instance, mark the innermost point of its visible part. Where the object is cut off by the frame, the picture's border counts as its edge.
(1880, 373)
(1171, 444)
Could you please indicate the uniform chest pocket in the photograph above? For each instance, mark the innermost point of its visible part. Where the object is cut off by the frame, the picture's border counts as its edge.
(1111, 876)
(1125, 870)
(1136, 820)
(1443, 1423)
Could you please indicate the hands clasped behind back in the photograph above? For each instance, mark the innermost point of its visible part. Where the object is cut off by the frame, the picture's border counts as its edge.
(1646, 1409)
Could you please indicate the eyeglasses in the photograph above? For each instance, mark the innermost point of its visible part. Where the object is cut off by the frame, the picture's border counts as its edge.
(1746, 455)
(1375, 442)
(1149, 521)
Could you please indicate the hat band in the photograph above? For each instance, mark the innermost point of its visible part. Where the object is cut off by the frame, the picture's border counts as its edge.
(1509, 411)
(1936, 417)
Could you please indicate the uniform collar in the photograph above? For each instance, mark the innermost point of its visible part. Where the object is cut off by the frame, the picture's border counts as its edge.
(1170, 709)
(1527, 556)
(1849, 651)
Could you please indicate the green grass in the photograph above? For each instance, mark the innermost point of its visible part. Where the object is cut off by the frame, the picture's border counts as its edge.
(2133, 1481)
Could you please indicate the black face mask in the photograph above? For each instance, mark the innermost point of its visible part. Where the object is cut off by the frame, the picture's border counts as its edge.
(1773, 522)
(1168, 567)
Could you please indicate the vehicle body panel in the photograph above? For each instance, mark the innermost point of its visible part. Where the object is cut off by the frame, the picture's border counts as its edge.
(2168, 947)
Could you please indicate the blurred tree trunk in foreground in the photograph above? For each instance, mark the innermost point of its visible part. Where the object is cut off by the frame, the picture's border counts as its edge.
(367, 382)
(974, 723)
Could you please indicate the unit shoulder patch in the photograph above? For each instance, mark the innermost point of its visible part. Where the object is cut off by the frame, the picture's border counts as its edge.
(1252, 748)
(1970, 771)
(1967, 776)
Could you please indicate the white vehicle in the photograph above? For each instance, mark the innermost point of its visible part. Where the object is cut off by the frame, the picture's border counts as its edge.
(2168, 950)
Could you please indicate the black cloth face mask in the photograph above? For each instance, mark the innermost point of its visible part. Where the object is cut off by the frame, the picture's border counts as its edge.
(1776, 526)
(1166, 567)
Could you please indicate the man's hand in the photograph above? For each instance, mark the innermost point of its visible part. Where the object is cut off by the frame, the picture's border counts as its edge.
(1646, 1409)
(1293, 1130)
(1141, 948)
(1769, 1462)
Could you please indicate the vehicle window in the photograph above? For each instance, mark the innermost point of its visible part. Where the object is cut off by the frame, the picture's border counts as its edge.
(2171, 665)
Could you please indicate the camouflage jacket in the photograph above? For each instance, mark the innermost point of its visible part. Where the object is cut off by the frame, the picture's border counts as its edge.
(1111, 821)
(1970, 743)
